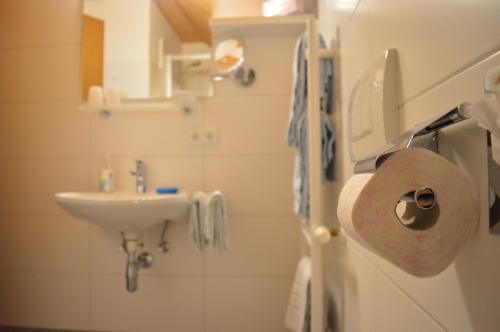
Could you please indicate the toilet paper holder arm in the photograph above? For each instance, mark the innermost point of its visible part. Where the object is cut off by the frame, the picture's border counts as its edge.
(423, 135)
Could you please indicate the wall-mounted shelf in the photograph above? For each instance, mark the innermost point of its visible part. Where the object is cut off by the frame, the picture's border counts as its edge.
(259, 26)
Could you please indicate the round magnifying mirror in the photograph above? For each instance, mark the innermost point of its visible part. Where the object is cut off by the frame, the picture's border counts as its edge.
(228, 56)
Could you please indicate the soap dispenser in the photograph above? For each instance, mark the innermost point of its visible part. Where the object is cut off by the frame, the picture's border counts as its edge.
(107, 181)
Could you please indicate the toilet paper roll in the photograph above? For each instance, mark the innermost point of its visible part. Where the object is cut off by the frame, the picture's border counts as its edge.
(367, 211)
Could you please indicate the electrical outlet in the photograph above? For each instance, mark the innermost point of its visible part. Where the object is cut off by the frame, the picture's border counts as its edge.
(210, 136)
(196, 137)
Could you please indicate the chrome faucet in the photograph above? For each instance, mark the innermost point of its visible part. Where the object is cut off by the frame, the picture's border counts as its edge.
(140, 175)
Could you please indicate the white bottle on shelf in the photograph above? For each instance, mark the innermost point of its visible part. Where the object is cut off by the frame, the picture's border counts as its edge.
(107, 180)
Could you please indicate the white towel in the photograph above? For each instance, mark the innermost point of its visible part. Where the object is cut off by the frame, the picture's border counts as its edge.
(208, 222)
(197, 219)
(216, 227)
(298, 313)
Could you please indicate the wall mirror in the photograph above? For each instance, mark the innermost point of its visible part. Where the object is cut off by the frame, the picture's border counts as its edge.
(228, 59)
(146, 49)
(229, 56)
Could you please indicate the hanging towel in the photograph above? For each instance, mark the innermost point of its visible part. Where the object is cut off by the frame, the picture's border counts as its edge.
(297, 132)
(197, 218)
(298, 314)
(208, 222)
(216, 227)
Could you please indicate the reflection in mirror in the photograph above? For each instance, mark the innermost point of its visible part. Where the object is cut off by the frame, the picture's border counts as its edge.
(228, 56)
(189, 72)
(127, 46)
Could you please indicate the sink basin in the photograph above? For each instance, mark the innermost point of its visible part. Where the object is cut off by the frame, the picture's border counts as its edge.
(125, 212)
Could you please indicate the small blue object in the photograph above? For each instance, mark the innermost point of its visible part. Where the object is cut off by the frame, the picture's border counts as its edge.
(167, 190)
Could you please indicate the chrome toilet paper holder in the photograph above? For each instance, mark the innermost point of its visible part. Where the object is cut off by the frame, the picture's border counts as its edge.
(423, 135)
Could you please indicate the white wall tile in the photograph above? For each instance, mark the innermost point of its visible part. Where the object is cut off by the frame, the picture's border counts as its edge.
(432, 43)
(394, 311)
(45, 300)
(467, 86)
(334, 17)
(252, 185)
(172, 295)
(160, 304)
(29, 184)
(271, 58)
(248, 125)
(43, 243)
(35, 74)
(33, 23)
(44, 129)
(145, 133)
(359, 297)
(334, 265)
(247, 304)
(182, 259)
(225, 8)
(259, 247)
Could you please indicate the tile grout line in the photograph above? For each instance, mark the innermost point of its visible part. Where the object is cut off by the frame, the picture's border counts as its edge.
(152, 156)
(150, 275)
(89, 243)
(379, 270)
(60, 100)
(40, 46)
(204, 259)
(450, 76)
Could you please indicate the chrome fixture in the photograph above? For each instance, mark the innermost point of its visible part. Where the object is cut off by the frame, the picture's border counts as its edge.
(228, 60)
(245, 76)
(140, 175)
(134, 264)
(163, 245)
(424, 135)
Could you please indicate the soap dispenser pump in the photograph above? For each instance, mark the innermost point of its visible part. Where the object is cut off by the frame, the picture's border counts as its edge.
(107, 181)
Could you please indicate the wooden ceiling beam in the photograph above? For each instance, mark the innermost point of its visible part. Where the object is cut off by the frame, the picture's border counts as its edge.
(188, 18)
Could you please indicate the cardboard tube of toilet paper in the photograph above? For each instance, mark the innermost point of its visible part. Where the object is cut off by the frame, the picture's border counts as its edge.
(367, 211)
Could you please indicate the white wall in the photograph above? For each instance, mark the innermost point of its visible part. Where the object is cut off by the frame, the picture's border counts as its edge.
(62, 273)
(444, 48)
(231, 8)
(160, 28)
(195, 48)
(132, 30)
(126, 43)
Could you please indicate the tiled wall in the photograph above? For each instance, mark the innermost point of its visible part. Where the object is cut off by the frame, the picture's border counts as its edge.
(61, 273)
(27, 329)
(442, 60)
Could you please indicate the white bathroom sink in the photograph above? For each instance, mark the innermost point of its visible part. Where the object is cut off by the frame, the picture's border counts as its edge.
(125, 212)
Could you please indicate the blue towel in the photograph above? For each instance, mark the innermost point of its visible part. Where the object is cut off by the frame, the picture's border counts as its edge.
(297, 127)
